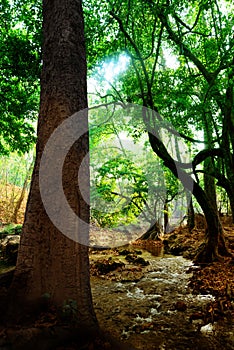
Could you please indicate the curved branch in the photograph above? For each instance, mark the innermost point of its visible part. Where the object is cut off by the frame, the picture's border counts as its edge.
(177, 40)
(206, 153)
(198, 16)
(131, 200)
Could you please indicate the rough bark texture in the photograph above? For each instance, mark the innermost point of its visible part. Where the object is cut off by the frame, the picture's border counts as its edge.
(215, 242)
(49, 262)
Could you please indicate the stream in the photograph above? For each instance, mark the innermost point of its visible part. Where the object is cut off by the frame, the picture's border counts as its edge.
(156, 310)
(152, 307)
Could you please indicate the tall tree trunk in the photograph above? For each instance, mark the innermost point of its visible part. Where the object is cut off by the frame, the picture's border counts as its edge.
(210, 187)
(190, 211)
(49, 262)
(215, 243)
(209, 181)
(166, 217)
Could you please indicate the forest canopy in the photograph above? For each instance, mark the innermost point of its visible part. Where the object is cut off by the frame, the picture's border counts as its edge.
(178, 63)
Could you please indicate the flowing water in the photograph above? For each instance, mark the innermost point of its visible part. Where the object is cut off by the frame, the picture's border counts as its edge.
(146, 312)
(153, 310)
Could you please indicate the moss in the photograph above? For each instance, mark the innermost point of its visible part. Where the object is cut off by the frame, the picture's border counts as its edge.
(11, 229)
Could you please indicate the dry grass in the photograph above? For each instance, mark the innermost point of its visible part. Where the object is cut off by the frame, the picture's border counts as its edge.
(9, 195)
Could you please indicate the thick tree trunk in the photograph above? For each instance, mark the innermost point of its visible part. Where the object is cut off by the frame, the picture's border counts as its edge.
(215, 242)
(209, 181)
(218, 243)
(49, 263)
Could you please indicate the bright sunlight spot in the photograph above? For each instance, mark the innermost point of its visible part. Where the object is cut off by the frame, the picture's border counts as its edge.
(107, 73)
(109, 70)
(171, 59)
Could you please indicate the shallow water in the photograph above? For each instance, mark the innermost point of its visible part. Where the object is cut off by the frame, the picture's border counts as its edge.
(144, 312)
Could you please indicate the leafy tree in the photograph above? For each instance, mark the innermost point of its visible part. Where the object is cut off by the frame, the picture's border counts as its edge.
(185, 28)
(200, 35)
(124, 189)
(20, 69)
(215, 47)
(127, 180)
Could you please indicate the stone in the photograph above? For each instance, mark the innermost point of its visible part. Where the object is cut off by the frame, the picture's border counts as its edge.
(180, 306)
(9, 248)
(134, 259)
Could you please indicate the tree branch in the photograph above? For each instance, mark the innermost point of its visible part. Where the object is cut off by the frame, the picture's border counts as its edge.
(139, 56)
(131, 200)
(209, 77)
(206, 153)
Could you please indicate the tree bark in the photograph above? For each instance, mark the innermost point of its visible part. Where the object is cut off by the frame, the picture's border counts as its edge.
(214, 243)
(166, 217)
(153, 232)
(48, 262)
(190, 212)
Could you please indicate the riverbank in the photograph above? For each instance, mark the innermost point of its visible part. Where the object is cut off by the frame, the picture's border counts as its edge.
(153, 307)
(147, 299)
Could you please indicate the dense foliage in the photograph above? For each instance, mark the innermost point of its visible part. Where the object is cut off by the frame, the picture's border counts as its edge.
(20, 41)
(195, 93)
(180, 64)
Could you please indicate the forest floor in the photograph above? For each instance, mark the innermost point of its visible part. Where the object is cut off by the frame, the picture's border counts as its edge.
(147, 298)
(170, 303)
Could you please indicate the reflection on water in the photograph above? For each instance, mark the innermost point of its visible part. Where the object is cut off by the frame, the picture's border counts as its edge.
(155, 250)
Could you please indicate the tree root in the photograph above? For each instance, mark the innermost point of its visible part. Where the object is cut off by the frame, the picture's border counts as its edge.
(207, 256)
